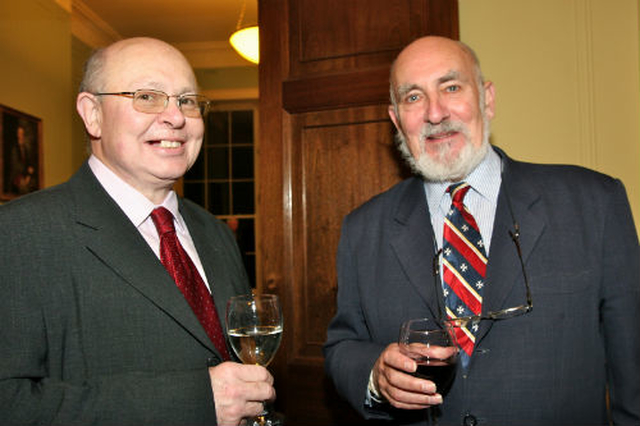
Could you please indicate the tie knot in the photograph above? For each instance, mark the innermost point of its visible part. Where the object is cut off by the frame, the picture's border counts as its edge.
(458, 191)
(163, 219)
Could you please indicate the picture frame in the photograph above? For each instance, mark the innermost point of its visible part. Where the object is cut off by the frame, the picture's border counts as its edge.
(20, 153)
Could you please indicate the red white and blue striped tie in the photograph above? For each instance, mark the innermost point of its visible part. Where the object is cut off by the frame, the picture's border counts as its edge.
(464, 268)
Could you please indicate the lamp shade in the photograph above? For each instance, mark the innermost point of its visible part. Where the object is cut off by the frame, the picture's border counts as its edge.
(246, 42)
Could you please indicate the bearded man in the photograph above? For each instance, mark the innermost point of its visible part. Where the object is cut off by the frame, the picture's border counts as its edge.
(535, 266)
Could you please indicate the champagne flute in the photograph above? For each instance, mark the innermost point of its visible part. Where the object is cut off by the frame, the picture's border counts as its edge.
(433, 346)
(254, 324)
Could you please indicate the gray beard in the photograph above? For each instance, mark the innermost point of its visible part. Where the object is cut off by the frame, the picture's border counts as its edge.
(442, 168)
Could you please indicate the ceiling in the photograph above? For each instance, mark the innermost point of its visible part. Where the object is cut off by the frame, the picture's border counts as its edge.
(200, 28)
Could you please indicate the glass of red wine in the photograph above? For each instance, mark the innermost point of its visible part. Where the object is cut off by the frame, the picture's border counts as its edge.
(433, 346)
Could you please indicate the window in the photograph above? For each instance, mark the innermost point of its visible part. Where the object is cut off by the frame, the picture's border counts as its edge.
(222, 180)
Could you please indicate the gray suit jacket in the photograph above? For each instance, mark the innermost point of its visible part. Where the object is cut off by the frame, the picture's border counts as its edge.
(93, 330)
(551, 366)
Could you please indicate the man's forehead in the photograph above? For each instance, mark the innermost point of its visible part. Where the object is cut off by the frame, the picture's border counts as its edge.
(406, 81)
(149, 65)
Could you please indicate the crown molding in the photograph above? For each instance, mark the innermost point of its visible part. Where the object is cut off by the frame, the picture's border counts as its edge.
(65, 4)
(236, 94)
(87, 26)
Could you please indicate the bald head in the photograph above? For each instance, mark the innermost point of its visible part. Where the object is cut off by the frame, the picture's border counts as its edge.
(117, 56)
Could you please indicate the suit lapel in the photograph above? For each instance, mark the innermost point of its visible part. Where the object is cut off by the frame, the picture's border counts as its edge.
(412, 240)
(105, 231)
(505, 283)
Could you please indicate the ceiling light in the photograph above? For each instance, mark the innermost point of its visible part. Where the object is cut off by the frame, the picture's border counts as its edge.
(246, 40)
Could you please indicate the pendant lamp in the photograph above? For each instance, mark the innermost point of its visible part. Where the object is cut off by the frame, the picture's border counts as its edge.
(245, 40)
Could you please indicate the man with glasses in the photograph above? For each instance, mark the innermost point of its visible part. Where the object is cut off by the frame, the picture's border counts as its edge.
(535, 266)
(112, 288)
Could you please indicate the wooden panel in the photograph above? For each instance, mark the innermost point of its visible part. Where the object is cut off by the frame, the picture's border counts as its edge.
(338, 35)
(325, 30)
(367, 87)
(339, 160)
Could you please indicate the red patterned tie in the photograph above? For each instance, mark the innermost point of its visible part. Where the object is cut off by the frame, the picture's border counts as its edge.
(187, 278)
(464, 268)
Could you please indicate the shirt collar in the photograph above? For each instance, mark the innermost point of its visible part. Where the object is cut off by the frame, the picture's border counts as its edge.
(485, 180)
(135, 206)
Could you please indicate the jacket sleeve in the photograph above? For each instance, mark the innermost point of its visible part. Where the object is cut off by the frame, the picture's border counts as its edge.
(350, 352)
(620, 309)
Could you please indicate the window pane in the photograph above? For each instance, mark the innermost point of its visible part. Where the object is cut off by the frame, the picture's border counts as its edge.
(194, 192)
(218, 128)
(242, 161)
(246, 235)
(219, 198)
(218, 163)
(242, 130)
(242, 197)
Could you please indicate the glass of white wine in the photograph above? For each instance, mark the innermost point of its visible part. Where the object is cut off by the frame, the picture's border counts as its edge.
(254, 324)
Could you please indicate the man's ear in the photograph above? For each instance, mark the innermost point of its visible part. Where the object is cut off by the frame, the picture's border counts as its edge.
(91, 112)
(489, 100)
(394, 118)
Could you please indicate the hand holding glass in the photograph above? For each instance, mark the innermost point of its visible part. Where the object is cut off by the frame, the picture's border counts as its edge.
(433, 348)
(254, 323)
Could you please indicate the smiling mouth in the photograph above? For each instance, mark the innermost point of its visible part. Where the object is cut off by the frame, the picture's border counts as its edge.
(442, 135)
(167, 144)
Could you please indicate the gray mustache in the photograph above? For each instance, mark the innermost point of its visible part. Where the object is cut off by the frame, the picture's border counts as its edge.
(447, 126)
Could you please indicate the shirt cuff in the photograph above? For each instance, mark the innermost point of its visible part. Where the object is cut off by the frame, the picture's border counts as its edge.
(373, 395)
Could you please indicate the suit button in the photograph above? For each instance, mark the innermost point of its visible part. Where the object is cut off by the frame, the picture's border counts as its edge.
(469, 420)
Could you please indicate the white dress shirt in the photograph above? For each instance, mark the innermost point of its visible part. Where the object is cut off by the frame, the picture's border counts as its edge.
(138, 209)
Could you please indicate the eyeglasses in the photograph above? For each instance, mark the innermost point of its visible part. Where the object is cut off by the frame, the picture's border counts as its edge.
(495, 315)
(154, 102)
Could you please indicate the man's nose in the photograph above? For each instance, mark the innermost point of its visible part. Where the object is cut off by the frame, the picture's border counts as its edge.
(173, 113)
(437, 110)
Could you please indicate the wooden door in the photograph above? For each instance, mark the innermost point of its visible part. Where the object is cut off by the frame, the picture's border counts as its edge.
(325, 146)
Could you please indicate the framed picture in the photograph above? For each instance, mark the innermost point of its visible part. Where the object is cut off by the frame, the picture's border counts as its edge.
(20, 153)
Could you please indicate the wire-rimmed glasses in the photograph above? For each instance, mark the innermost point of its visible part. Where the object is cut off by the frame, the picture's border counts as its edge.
(155, 101)
(502, 314)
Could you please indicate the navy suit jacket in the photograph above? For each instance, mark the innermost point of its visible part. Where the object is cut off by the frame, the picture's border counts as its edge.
(551, 366)
(93, 330)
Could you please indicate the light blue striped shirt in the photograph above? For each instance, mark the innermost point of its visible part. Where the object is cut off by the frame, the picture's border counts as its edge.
(481, 200)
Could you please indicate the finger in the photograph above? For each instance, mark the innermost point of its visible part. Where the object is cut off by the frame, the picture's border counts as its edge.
(411, 393)
(407, 382)
(253, 373)
(408, 406)
(253, 409)
(401, 398)
(241, 372)
(394, 357)
(259, 392)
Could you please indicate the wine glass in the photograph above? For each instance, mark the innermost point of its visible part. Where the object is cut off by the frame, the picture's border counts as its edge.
(254, 324)
(433, 346)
